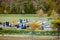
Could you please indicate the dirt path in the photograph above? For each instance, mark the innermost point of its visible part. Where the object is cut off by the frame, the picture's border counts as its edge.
(27, 37)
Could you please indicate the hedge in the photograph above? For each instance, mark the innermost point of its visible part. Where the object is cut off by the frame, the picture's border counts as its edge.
(29, 32)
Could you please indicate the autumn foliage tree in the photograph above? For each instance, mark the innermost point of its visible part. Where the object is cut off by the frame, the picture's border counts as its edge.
(34, 26)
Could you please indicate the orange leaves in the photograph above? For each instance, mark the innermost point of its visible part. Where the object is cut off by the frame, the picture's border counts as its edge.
(34, 25)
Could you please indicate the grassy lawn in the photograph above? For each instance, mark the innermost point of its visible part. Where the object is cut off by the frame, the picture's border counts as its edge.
(19, 15)
(9, 17)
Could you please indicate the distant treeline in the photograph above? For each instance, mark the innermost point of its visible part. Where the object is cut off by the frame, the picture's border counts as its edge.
(28, 6)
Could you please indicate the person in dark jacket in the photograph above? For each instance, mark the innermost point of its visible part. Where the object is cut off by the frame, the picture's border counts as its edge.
(23, 26)
(7, 24)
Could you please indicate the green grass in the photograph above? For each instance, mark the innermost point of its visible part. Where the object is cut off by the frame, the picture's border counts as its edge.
(29, 32)
(18, 15)
(9, 17)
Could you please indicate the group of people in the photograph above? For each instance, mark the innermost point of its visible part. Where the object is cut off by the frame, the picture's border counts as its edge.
(22, 23)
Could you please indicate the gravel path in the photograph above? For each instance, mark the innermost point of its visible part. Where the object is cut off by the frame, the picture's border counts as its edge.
(27, 37)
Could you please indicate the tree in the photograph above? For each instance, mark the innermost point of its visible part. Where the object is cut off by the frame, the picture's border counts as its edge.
(58, 9)
(28, 7)
(40, 13)
(34, 25)
(53, 14)
(3, 6)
